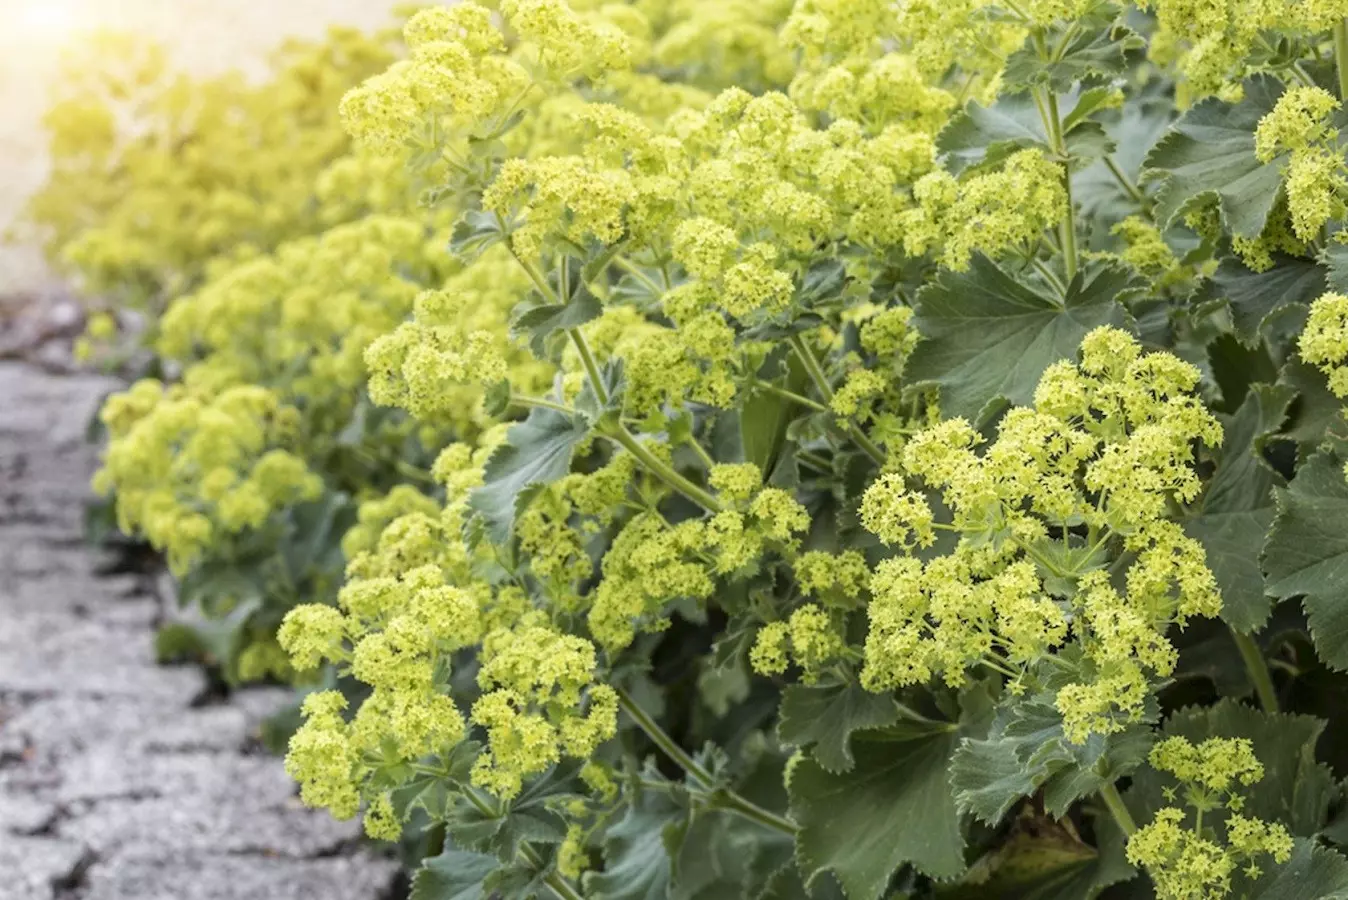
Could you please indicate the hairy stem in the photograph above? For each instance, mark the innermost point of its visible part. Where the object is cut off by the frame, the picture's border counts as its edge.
(662, 470)
(816, 373)
(701, 452)
(632, 269)
(1341, 56)
(559, 886)
(619, 432)
(540, 402)
(727, 798)
(1068, 228)
(587, 360)
(1132, 190)
(661, 739)
(792, 396)
(1114, 803)
(812, 459)
(1257, 668)
(658, 467)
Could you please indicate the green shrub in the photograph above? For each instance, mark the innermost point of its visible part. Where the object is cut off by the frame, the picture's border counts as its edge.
(910, 464)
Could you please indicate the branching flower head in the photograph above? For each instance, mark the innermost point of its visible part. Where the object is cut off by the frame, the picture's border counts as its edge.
(1324, 341)
(1195, 862)
(1108, 445)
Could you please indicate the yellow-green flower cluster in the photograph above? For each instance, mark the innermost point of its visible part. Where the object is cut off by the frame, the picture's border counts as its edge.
(890, 89)
(290, 327)
(156, 173)
(1324, 341)
(1193, 863)
(396, 635)
(189, 468)
(436, 364)
(535, 712)
(1278, 237)
(990, 212)
(854, 37)
(1215, 47)
(1144, 248)
(1301, 125)
(554, 530)
(651, 564)
(810, 638)
(870, 392)
(405, 529)
(671, 366)
(414, 597)
(952, 613)
(837, 579)
(718, 43)
(459, 77)
(417, 365)
(1106, 447)
(298, 320)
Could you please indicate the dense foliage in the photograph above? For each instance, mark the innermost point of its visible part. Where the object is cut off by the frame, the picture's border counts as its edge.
(841, 447)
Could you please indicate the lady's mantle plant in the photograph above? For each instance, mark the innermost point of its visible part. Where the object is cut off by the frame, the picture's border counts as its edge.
(909, 420)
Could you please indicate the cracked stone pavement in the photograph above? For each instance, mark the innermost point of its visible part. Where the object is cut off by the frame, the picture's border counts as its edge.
(120, 778)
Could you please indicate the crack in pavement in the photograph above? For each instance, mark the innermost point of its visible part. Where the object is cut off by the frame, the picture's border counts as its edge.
(121, 778)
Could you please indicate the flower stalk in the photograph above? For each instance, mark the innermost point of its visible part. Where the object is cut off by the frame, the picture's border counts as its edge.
(1258, 670)
(723, 796)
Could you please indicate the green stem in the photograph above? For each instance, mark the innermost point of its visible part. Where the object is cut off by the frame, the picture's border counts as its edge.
(755, 813)
(701, 452)
(816, 373)
(525, 400)
(587, 360)
(559, 885)
(698, 773)
(632, 269)
(1114, 803)
(790, 395)
(1050, 278)
(1341, 56)
(555, 882)
(1258, 670)
(577, 338)
(866, 444)
(1298, 72)
(823, 465)
(1125, 182)
(812, 367)
(1068, 226)
(535, 276)
(618, 432)
(400, 466)
(573, 333)
(661, 739)
(662, 470)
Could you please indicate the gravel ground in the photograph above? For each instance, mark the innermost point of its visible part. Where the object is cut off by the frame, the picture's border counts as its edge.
(121, 779)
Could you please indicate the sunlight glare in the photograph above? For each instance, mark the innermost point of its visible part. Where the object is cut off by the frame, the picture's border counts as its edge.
(48, 19)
